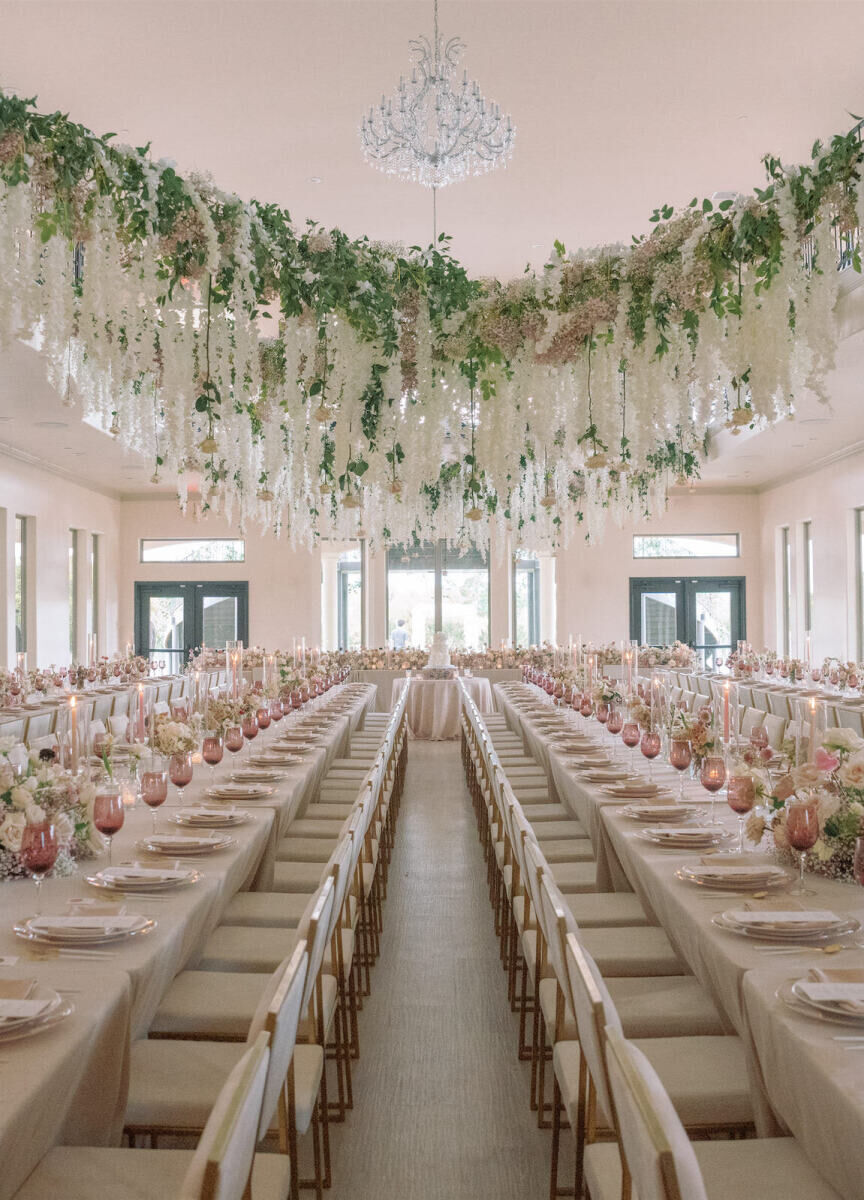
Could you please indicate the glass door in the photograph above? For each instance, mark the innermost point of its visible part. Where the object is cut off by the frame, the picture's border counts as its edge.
(172, 619)
(708, 614)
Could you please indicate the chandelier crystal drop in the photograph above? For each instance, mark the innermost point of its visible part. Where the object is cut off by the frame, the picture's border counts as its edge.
(436, 129)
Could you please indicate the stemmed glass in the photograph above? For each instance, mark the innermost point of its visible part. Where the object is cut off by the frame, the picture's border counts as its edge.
(614, 725)
(212, 750)
(759, 738)
(154, 785)
(250, 728)
(630, 737)
(233, 739)
(802, 831)
(741, 796)
(108, 814)
(38, 853)
(276, 713)
(262, 716)
(180, 771)
(712, 776)
(680, 757)
(650, 747)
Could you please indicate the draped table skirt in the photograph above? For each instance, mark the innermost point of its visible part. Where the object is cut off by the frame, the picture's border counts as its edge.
(433, 705)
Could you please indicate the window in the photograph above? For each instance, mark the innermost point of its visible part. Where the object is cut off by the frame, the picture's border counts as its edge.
(526, 600)
(687, 545)
(189, 550)
(94, 586)
(431, 588)
(350, 577)
(708, 614)
(785, 591)
(808, 576)
(73, 593)
(21, 584)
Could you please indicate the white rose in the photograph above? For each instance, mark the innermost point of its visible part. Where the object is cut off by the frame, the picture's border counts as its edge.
(12, 831)
(7, 777)
(22, 798)
(35, 815)
(828, 806)
(30, 783)
(6, 743)
(842, 739)
(851, 774)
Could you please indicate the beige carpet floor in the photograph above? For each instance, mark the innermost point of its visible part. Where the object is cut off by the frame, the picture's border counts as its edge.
(440, 1100)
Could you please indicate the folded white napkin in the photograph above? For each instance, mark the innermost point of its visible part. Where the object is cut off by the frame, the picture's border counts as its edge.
(85, 922)
(121, 874)
(682, 831)
(21, 1010)
(847, 996)
(179, 840)
(725, 871)
(809, 919)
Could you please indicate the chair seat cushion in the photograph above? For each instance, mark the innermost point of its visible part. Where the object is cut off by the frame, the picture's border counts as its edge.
(335, 811)
(706, 1078)
(256, 948)
(307, 827)
(728, 1170)
(542, 813)
(306, 849)
(281, 909)
(563, 828)
(82, 1172)
(624, 951)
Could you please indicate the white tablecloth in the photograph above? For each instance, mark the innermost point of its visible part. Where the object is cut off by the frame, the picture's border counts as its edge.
(383, 679)
(433, 705)
(802, 1081)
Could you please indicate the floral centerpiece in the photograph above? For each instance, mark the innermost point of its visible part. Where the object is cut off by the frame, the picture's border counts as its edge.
(45, 792)
(834, 779)
(606, 693)
(223, 713)
(173, 737)
(699, 731)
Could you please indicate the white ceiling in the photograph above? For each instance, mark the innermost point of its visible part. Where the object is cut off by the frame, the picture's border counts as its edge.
(619, 107)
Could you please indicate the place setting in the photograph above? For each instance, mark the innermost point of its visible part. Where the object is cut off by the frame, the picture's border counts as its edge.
(28, 1007)
(182, 845)
(241, 791)
(832, 994)
(219, 817)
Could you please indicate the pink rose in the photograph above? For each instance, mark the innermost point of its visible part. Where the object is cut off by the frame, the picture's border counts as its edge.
(825, 761)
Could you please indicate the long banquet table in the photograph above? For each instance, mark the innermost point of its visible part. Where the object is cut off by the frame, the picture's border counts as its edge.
(803, 1081)
(68, 1084)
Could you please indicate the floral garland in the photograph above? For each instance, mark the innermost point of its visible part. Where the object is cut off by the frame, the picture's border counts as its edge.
(45, 792)
(395, 395)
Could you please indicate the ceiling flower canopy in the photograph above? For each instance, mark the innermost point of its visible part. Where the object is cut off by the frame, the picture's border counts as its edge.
(322, 385)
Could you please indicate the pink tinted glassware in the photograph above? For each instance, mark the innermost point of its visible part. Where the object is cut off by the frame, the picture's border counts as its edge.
(680, 757)
(741, 796)
(108, 814)
(180, 771)
(263, 718)
(650, 747)
(712, 776)
(602, 713)
(233, 739)
(154, 790)
(212, 751)
(250, 729)
(276, 710)
(802, 831)
(39, 848)
(758, 737)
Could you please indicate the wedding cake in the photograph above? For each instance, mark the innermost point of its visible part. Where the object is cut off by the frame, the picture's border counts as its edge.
(438, 666)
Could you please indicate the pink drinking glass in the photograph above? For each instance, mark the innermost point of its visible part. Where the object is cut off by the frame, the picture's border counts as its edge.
(39, 849)
(154, 787)
(263, 717)
(276, 713)
(180, 771)
(650, 747)
(212, 751)
(108, 814)
(802, 830)
(250, 728)
(680, 757)
(741, 796)
(712, 776)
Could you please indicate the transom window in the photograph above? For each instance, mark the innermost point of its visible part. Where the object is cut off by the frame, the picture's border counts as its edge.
(687, 545)
(189, 550)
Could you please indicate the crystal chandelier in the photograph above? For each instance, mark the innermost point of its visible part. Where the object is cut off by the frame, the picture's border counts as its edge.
(436, 129)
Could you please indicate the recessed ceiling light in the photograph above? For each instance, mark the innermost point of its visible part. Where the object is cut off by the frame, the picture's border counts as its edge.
(315, 179)
(814, 420)
(51, 424)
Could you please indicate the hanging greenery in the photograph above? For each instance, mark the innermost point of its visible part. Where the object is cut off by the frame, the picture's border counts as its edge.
(281, 365)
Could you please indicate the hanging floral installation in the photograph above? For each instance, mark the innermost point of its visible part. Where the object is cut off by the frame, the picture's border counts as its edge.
(317, 384)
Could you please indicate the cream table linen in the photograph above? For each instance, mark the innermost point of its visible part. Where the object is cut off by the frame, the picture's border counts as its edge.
(383, 680)
(434, 705)
(67, 1085)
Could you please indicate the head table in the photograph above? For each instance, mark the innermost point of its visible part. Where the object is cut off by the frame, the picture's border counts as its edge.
(68, 1084)
(434, 705)
(803, 1080)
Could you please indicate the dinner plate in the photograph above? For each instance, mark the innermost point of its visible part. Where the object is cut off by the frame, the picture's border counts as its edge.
(634, 792)
(38, 1003)
(239, 791)
(59, 1008)
(269, 758)
(806, 1008)
(823, 933)
(692, 840)
(171, 844)
(148, 879)
(82, 929)
(257, 775)
(831, 1008)
(747, 879)
(660, 812)
(210, 818)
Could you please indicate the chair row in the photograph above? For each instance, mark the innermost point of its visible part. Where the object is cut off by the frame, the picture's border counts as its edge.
(293, 964)
(586, 971)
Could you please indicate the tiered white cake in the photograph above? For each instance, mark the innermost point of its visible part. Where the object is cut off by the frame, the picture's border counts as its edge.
(439, 665)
